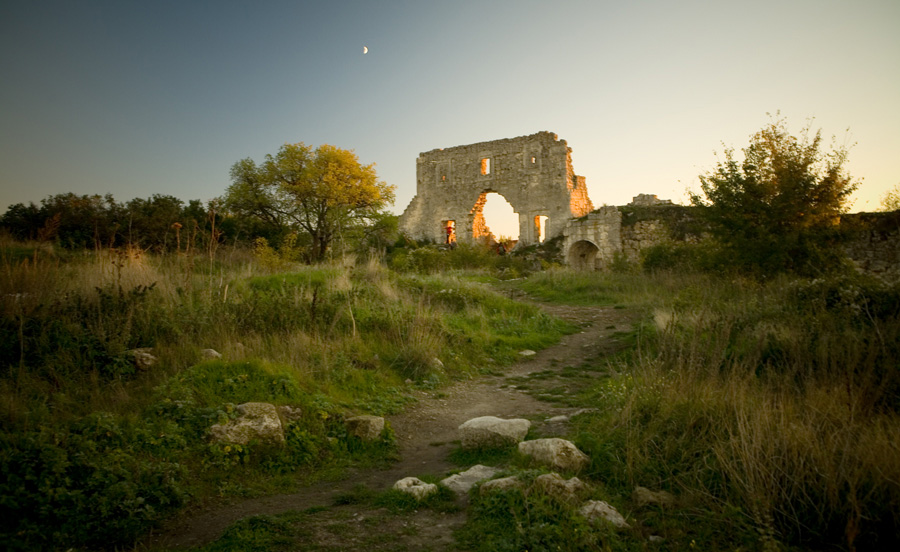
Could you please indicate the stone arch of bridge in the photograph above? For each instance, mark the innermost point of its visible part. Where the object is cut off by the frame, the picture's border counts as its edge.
(584, 255)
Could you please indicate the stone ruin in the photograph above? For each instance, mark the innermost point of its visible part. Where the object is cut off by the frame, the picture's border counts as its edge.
(533, 173)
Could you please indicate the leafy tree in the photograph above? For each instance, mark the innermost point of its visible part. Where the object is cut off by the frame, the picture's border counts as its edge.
(82, 221)
(777, 209)
(325, 192)
(150, 221)
(23, 222)
(890, 201)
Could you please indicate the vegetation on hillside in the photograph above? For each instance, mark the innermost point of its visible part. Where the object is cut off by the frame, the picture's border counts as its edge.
(95, 450)
(777, 208)
(772, 411)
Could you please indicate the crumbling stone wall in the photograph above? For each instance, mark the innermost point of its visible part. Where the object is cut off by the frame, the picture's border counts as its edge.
(872, 242)
(641, 235)
(533, 173)
(591, 242)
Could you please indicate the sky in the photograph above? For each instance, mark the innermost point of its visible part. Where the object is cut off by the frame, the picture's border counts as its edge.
(163, 97)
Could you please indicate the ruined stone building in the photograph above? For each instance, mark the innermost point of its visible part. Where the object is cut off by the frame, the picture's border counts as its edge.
(533, 173)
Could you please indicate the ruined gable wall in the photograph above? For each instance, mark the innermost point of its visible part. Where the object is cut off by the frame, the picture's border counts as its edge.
(533, 173)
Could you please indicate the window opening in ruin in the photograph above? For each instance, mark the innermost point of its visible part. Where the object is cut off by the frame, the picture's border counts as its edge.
(443, 178)
(495, 218)
(533, 160)
(486, 166)
(540, 227)
(449, 227)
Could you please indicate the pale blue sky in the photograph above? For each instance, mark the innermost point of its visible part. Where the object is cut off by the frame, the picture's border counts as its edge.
(137, 98)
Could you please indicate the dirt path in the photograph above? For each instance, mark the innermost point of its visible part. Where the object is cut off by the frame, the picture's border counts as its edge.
(425, 435)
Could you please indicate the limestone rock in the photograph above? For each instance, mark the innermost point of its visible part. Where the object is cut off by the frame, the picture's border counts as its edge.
(502, 484)
(258, 421)
(210, 354)
(594, 510)
(490, 431)
(460, 483)
(556, 453)
(415, 487)
(367, 428)
(289, 414)
(643, 496)
(564, 490)
(143, 357)
(527, 353)
(557, 419)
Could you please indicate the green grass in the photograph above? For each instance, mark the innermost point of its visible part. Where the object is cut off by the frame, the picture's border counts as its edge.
(96, 451)
(769, 409)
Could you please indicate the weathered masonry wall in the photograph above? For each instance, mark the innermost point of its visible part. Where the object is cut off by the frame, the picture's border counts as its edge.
(870, 240)
(533, 173)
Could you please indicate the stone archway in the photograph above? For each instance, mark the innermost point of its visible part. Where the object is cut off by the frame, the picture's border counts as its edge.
(533, 173)
(583, 255)
(481, 225)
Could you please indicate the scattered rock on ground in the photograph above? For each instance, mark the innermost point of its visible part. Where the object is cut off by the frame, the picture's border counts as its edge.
(143, 358)
(564, 490)
(556, 453)
(527, 353)
(210, 354)
(289, 414)
(415, 487)
(367, 428)
(643, 496)
(557, 419)
(255, 421)
(490, 431)
(595, 510)
(460, 483)
(502, 484)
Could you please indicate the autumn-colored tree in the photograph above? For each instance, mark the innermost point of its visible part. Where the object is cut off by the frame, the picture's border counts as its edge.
(776, 209)
(325, 192)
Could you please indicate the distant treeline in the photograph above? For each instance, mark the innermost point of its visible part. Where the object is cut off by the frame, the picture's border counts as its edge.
(159, 223)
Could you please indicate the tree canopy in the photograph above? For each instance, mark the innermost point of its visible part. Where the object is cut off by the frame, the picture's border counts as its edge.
(777, 209)
(324, 192)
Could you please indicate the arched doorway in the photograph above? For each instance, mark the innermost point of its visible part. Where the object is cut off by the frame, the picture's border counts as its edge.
(583, 255)
(494, 219)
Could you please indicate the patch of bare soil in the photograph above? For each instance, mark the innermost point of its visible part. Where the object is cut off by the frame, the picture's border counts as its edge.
(535, 388)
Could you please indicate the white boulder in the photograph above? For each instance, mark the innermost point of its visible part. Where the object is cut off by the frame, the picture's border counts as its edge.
(594, 510)
(502, 484)
(490, 431)
(367, 428)
(416, 487)
(555, 452)
(255, 421)
(460, 483)
(210, 354)
(564, 490)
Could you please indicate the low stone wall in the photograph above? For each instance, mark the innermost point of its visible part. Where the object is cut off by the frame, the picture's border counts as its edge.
(592, 241)
(870, 240)
(641, 235)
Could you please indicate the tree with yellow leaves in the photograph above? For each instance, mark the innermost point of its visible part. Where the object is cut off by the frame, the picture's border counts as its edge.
(324, 192)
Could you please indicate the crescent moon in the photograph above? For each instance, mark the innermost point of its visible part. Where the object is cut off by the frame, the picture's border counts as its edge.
(365, 49)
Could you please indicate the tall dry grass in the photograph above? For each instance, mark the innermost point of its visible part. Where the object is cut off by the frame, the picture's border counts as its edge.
(782, 400)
